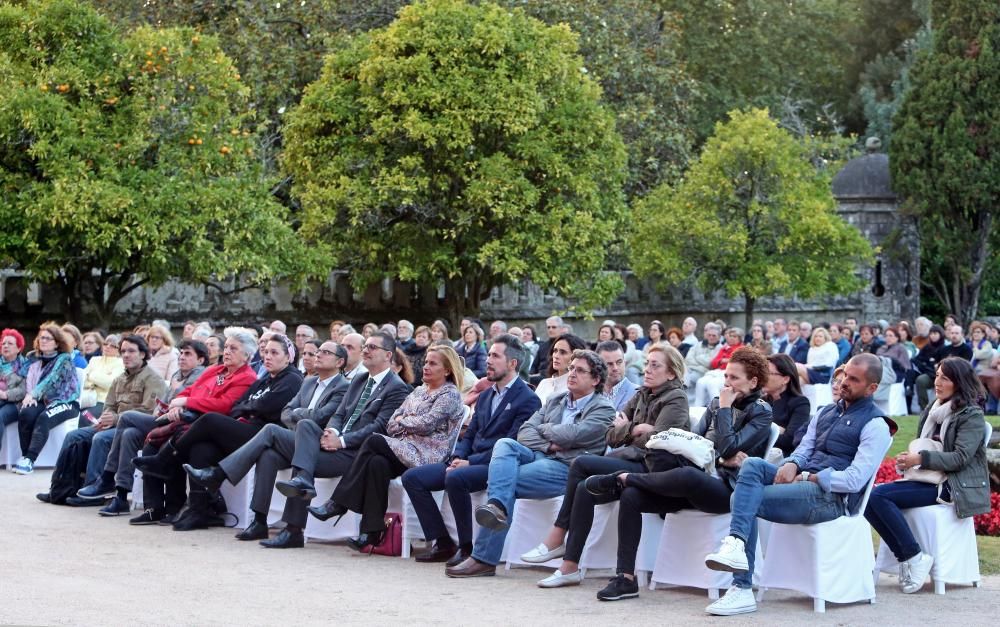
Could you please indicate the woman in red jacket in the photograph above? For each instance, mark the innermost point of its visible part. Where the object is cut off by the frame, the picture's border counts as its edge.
(216, 390)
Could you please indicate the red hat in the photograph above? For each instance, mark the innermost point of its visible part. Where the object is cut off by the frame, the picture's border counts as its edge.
(18, 338)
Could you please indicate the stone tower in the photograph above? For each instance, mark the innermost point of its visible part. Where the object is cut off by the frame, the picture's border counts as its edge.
(865, 199)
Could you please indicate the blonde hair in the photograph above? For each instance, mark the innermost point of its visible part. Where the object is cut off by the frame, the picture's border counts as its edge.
(673, 358)
(168, 337)
(817, 332)
(452, 362)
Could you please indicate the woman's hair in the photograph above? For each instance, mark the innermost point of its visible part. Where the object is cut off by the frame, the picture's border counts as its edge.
(871, 329)
(904, 327)
(248, 343)
(53, 329)
(976, 324)
(370, 326)
(635, 327)
(168, 337)
(282, 340)
(73, 331)
(753, 362)
(452, 363)
(530, 328)
(97, 337)
(476, 329)
(672, 357)
(817, 332)
(968, 388)
(422, 329)
(18, 338)
(609, 327)
(400, 359)
(663, 329)
(441, 326)
(335, 323)
(786, 368)
(673, 331)
(142, 329)
(575, 344)
(894, 330)
(937, 328)
(114, 338)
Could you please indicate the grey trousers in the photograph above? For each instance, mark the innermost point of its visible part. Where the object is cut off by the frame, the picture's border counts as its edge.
(309, 462)
(131, 432)
(271, 449)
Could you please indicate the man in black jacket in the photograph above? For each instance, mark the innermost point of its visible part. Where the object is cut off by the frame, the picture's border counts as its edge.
(540, 367)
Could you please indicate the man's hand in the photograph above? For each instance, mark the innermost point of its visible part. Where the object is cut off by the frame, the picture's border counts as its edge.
(179, 402)
(554, 448)
(106, 421)
(786, 474)
(330, 440)
(641, 429)
(457, 463)
(735, 461)
(173, 414)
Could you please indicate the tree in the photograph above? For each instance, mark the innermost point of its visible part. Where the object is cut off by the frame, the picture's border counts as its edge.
(944, 158)
(753, 217)
(127, 161)
(462, 144)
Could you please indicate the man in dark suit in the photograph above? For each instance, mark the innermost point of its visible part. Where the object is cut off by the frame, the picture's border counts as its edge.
(500, 411)
(272, 448)
(540, 367)
(370, 401)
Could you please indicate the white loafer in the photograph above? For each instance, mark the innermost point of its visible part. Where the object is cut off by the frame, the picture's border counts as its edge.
(541, 554)
(559, 580)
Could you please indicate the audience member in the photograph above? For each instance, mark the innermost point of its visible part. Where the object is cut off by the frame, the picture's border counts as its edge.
(688, 327)
(75, 340)
(404, 335)
(758, 340)
(634, 333)
(560, 355)
(540, 365)
(700, 356)
(894, 350)
(789, 407)
(841, 342)
(472, 351)
(821, 359)
(100, 373)
(617, 388)
(13, 369)
(307, 364)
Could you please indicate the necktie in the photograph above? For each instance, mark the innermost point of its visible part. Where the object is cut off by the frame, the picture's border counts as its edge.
(365, 393)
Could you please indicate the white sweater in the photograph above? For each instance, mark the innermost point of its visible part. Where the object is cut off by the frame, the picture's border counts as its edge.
(825, 355)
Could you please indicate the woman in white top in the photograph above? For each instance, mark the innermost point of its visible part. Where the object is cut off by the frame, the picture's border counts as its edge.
(821, 359)
(100, 373)
(560, 356)
(164, 355)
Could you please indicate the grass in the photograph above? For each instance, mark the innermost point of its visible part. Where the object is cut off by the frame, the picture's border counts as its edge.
(908, 432)
(989, 546)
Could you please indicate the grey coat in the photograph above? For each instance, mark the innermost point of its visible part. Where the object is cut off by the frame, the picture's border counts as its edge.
(585, 435)
(963, 460)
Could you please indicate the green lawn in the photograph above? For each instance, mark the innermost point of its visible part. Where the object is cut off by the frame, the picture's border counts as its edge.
(989, 547)
(908, 432)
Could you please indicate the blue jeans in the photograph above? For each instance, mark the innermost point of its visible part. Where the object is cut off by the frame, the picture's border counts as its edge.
(100, 446)
(884, 512)
(798, 503)
(516, 471)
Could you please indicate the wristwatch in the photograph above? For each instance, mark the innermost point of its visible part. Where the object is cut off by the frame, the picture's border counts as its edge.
(805, 475)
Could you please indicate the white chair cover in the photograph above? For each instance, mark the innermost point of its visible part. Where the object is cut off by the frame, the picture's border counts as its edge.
(687, 537)
(819, 395)
(50, 452)
(10, 451)
(531, 521)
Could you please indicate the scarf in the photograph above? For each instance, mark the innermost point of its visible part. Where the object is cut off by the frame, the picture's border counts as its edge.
(939, 414)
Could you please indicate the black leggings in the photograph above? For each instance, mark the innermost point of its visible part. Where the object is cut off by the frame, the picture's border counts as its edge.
(163, 496)
(35, 422)
(365, 488)
(664, 493)
(577, 512)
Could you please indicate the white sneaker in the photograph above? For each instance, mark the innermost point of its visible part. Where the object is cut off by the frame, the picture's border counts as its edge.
(559, 580)
(731, 556)
(914, 571)
(541, 554)
(735, 601)
(24, 466)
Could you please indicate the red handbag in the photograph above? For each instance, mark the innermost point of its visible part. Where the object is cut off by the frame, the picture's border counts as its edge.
(392, 544)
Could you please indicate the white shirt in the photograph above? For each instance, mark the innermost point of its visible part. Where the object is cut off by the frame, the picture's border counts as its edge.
(318, 392)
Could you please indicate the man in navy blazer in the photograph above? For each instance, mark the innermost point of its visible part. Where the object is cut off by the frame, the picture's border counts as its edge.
(499, 412)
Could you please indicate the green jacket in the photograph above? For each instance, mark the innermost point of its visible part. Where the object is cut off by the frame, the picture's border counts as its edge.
(963, 460)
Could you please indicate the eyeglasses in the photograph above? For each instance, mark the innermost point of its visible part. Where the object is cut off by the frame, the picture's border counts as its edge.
(374, 347)
(46, 338)
(575, 370)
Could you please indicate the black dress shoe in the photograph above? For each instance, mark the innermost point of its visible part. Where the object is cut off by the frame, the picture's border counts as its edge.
(328, 510)
(76, 501)
(367, 542)
(440, 552)
(297, 488)
(285, 540)
(255, 531)
(460, 556)
(211, 478)
(44, 497)
(192, 520)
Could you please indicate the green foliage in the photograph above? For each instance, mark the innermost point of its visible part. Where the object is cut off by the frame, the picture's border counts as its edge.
(944, 158)
(753, 217)
(464, 144)
(757, 54)
(127, 160)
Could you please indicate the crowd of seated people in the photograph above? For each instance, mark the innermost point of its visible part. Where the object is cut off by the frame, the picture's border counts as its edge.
(508, 415)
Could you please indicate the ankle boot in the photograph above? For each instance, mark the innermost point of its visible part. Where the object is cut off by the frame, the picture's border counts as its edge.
(160, 465)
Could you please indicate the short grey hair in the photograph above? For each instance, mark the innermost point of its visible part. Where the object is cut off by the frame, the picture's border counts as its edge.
(635, 327)
(248, 343)
(711, 326)
(405, 324)
(503, 325)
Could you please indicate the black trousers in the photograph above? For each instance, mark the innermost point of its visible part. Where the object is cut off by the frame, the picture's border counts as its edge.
(163, 496)
(35, 422)
(211, 438)
(576, 514)
(664, 493)
(365, 488)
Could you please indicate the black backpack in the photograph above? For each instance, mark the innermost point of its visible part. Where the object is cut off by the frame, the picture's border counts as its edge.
(70, 471)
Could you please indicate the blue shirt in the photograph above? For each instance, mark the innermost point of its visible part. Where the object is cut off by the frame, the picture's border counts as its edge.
(572, 408)
(498, 394)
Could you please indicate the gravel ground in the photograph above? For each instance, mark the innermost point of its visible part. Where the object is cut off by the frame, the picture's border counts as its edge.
(66, 566)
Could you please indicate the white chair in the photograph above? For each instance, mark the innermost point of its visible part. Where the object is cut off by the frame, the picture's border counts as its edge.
(316, 529)
(696, 419)
(950, 540)
(10, 451)
(819, 395)
(686, 538)
(649, 546)
(531, 521)
(830, 561)
(238, 498)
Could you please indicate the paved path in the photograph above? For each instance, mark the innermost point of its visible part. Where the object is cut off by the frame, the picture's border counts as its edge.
(66, 566)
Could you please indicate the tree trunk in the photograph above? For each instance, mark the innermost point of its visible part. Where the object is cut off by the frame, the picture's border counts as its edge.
(979, 254)
(749, 302)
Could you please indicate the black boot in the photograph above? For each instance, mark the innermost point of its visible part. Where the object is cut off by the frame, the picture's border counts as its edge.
(160, 465)
(199, 514)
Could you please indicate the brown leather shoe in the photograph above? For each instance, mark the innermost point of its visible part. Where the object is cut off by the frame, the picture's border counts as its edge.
(471, 568)
(440, 552)
(491, 517)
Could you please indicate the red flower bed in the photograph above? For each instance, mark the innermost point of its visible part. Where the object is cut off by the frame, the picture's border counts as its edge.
(989, 524)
